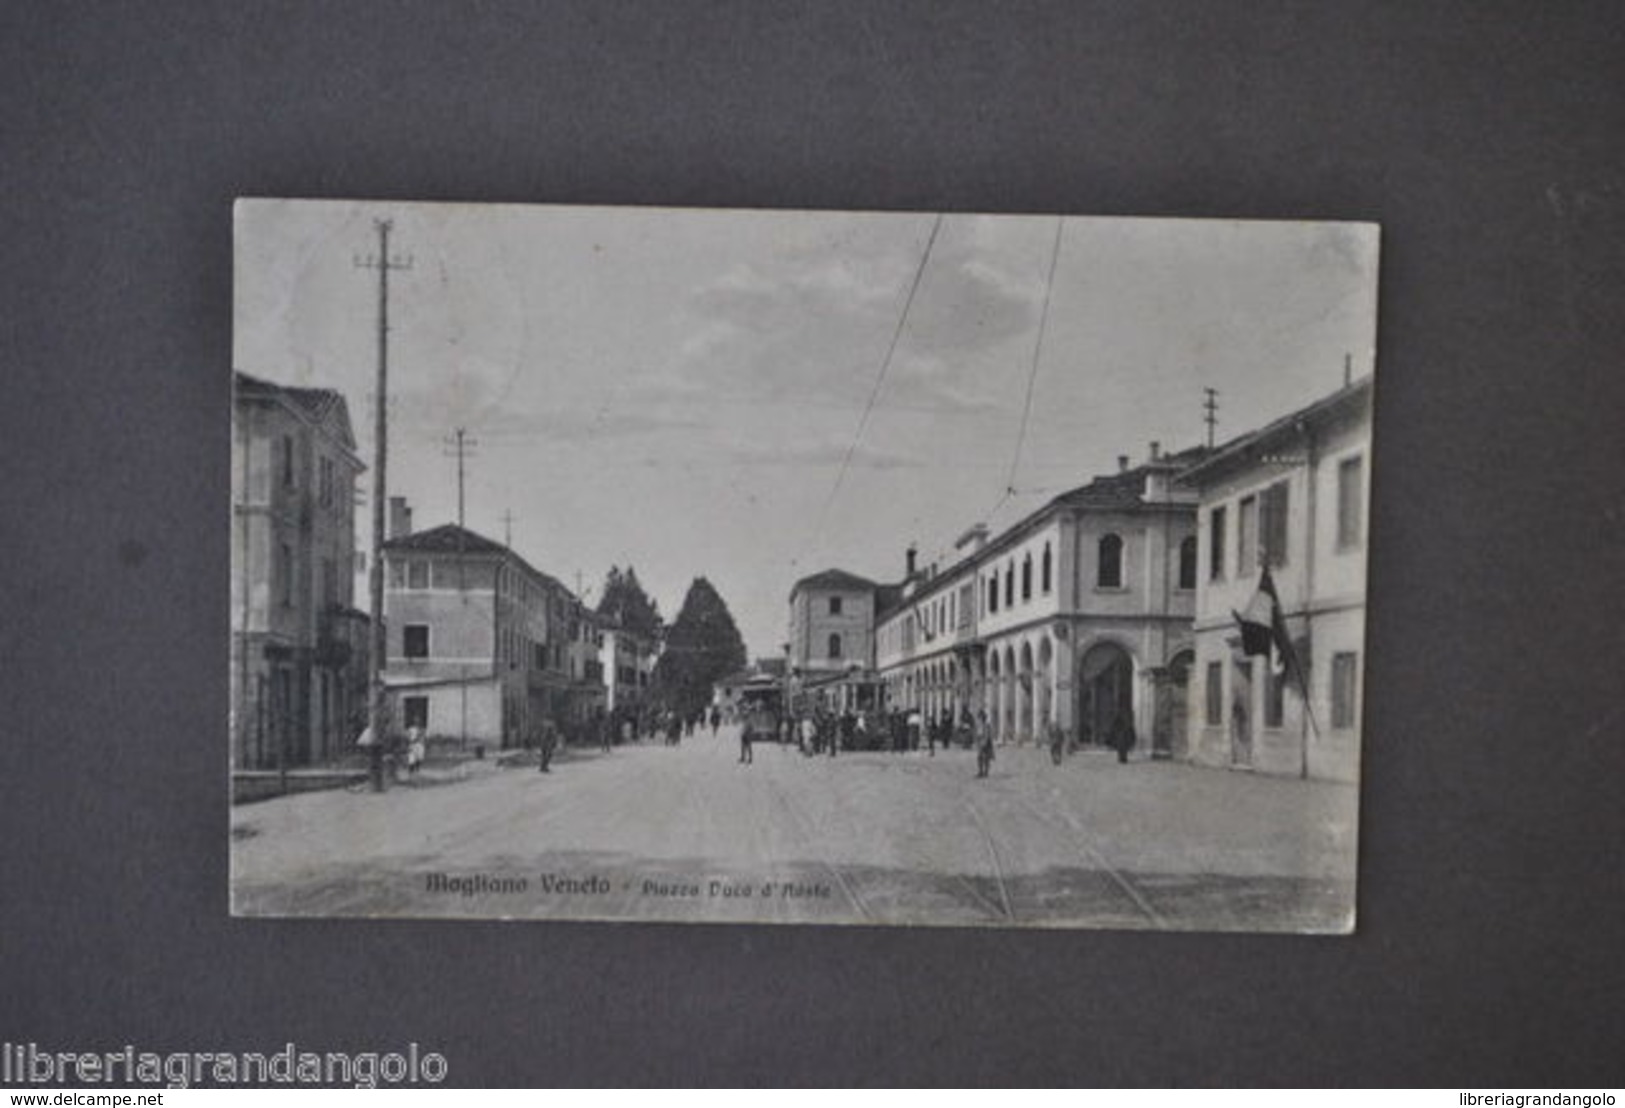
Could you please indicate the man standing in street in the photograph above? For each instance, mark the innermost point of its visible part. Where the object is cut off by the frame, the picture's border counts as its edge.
(746, 735)
(549, 743)
(1122, 736)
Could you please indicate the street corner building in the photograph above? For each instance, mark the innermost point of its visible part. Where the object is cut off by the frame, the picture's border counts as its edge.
(298, 644)
(1289, 500)
(482, 647)
(1075, 617)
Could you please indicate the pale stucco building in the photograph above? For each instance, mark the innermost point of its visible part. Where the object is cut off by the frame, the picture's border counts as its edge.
(1075, 615)
(1293, 495)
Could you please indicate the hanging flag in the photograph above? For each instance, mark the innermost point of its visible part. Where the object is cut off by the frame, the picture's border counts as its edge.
(1257, 620)
(1264, 631)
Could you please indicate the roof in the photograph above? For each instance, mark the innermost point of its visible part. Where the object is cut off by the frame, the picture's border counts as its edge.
(1122, 491)
(449, 538)
(319, 405)
(1241, 451)
(832, 579)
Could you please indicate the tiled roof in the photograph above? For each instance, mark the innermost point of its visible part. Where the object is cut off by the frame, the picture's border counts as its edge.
(449, 538)
(832, 579)
(318, 404)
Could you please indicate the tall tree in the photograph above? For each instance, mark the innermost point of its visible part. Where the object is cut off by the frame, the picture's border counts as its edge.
(625, 602)
(703, 645)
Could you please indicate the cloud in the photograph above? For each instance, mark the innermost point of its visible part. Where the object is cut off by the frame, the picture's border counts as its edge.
(817, 455)
(813, 326)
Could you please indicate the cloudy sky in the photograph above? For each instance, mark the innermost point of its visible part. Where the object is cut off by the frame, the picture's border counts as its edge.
(741, 394)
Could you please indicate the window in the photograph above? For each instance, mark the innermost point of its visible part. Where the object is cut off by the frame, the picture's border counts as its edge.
(287, 461)
(834, 605)
(417, 574)
(1027, 578)
(285, 565)
(1344, 674)
(1215, 694)
(993, 592)
(416, 644)
(835, 646)
(966, 594)
(1215, 544)
(1009, 583)
(1109, 575)
(415, 711)
(1046, 569)
(1274, 696)
(397, 573)
(1187, 562)
(1272, 524)
(1349, 473)
(1247, 536)
(325, 481)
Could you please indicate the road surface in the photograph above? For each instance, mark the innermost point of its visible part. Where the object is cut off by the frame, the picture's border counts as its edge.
(651, 832)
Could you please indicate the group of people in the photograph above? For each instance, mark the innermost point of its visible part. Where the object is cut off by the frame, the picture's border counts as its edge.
(824, 733)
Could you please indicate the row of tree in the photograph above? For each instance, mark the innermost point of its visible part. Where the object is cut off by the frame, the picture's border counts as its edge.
(702, 645)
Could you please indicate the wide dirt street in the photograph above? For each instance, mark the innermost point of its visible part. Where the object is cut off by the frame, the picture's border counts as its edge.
(651, 832)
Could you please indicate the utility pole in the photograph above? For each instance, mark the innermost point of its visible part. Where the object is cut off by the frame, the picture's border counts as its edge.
(383, 262)
(459, 445)
(1210, 413)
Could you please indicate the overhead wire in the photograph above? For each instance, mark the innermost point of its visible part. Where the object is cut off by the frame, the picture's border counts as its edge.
(1032, 375)
(880, 380)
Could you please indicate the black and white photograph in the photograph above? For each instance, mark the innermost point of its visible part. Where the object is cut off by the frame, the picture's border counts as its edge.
(798, 567)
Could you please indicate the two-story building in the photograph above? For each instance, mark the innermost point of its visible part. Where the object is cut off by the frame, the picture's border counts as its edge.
(1291, 496)
(482, 646)
(298, 644)
(1076, 615)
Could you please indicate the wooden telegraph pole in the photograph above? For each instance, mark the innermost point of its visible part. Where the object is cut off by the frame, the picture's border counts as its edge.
(383, 263)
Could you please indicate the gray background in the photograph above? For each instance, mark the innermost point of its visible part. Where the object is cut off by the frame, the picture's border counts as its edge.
(1484, 137)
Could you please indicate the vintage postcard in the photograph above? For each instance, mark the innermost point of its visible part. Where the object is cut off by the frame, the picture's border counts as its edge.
(807, 567)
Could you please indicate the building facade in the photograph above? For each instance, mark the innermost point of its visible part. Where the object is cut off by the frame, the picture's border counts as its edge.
(626, 660)
(831, 645)
(1074, 617)
(483, 647)
(298, 643)
(1292, 496)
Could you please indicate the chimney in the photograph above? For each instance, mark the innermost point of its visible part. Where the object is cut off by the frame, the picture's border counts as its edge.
(1156, 450)
(1122, 463)
(400, 517)
(912, 554)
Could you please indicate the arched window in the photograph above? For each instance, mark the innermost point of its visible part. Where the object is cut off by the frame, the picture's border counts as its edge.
(1046, 569)
(1027, 578)
(1110, 572)
(1187, 562)
(835, 646)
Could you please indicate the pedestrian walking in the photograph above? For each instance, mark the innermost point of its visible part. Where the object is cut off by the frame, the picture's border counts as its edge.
(746, 738)
(716, 720)
(916, 723)
(984, 747)
(808, 736)
(1057, 743)
(1122, 735)
(605, 732)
